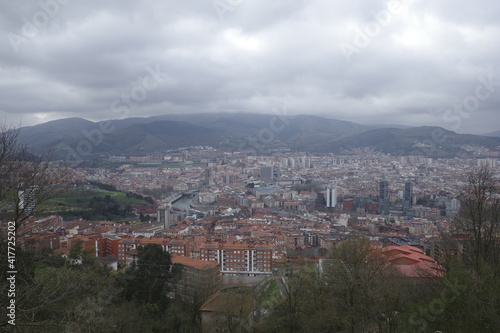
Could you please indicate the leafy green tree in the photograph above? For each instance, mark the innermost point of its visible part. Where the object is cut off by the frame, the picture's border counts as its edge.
(61, 298)
(467, 301)
(80, 257)
(148, 280)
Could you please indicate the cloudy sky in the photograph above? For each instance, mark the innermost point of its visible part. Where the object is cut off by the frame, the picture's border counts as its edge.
(411, 62)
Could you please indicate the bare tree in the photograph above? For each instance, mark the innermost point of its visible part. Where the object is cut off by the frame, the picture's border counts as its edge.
(27, 181)
(355, 290)
(234, 309)
(479, 217)
(8, 147)
(369, 292)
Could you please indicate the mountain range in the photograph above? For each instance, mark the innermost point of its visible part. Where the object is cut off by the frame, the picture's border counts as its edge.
(494, 134)
(233, 131)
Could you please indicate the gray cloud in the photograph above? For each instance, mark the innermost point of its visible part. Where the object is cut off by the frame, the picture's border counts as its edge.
(239, 55)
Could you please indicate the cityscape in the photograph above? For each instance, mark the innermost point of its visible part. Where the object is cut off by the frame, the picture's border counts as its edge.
(236, 166)
(238, 219)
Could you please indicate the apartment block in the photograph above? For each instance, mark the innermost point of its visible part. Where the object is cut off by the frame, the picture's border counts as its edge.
(239, 258)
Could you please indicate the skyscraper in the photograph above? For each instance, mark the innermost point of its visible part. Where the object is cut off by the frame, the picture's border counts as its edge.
(383, 189)
(384, 200)
(27, 200)
(331, 196)
(266, 173)
(164, 215)
(408, 195)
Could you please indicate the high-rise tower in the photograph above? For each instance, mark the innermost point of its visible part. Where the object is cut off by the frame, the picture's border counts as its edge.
(384, 200)
(164, 215)
(267, 172)
(27, 200)
(408, 195)
(331, 196)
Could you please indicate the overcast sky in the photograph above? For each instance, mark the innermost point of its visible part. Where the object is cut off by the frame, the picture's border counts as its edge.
(415, 62)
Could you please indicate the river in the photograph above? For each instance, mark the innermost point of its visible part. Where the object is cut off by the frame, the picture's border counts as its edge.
(183, 203)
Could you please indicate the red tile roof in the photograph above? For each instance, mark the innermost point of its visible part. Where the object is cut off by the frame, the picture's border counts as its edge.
(195, 263)
(412, 262)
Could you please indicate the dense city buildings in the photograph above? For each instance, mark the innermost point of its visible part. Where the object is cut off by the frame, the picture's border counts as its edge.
(252, 214)
(243, 221)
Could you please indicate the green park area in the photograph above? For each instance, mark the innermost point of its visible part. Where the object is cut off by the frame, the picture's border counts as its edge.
(94, 203)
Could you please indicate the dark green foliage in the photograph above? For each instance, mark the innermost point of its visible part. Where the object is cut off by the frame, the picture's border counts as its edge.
(140, 197)
(55, 296)
(467, 300)
(147, 282)
(82, 258)
(106, 187)
(95, 203)
(108, 207)
(100, 208)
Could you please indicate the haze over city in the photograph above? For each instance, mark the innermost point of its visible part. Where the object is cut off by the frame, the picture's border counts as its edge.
(250, 166)
(408, 62)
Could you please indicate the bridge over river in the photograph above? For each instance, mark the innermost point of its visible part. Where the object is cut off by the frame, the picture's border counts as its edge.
(184, 201)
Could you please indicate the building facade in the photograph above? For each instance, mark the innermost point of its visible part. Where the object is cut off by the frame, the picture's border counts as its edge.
(239, 258)
(331, 196)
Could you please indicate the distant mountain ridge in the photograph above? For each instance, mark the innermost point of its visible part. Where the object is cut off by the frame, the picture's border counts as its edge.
(495, 134)
(55, 130)
(231, 131)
